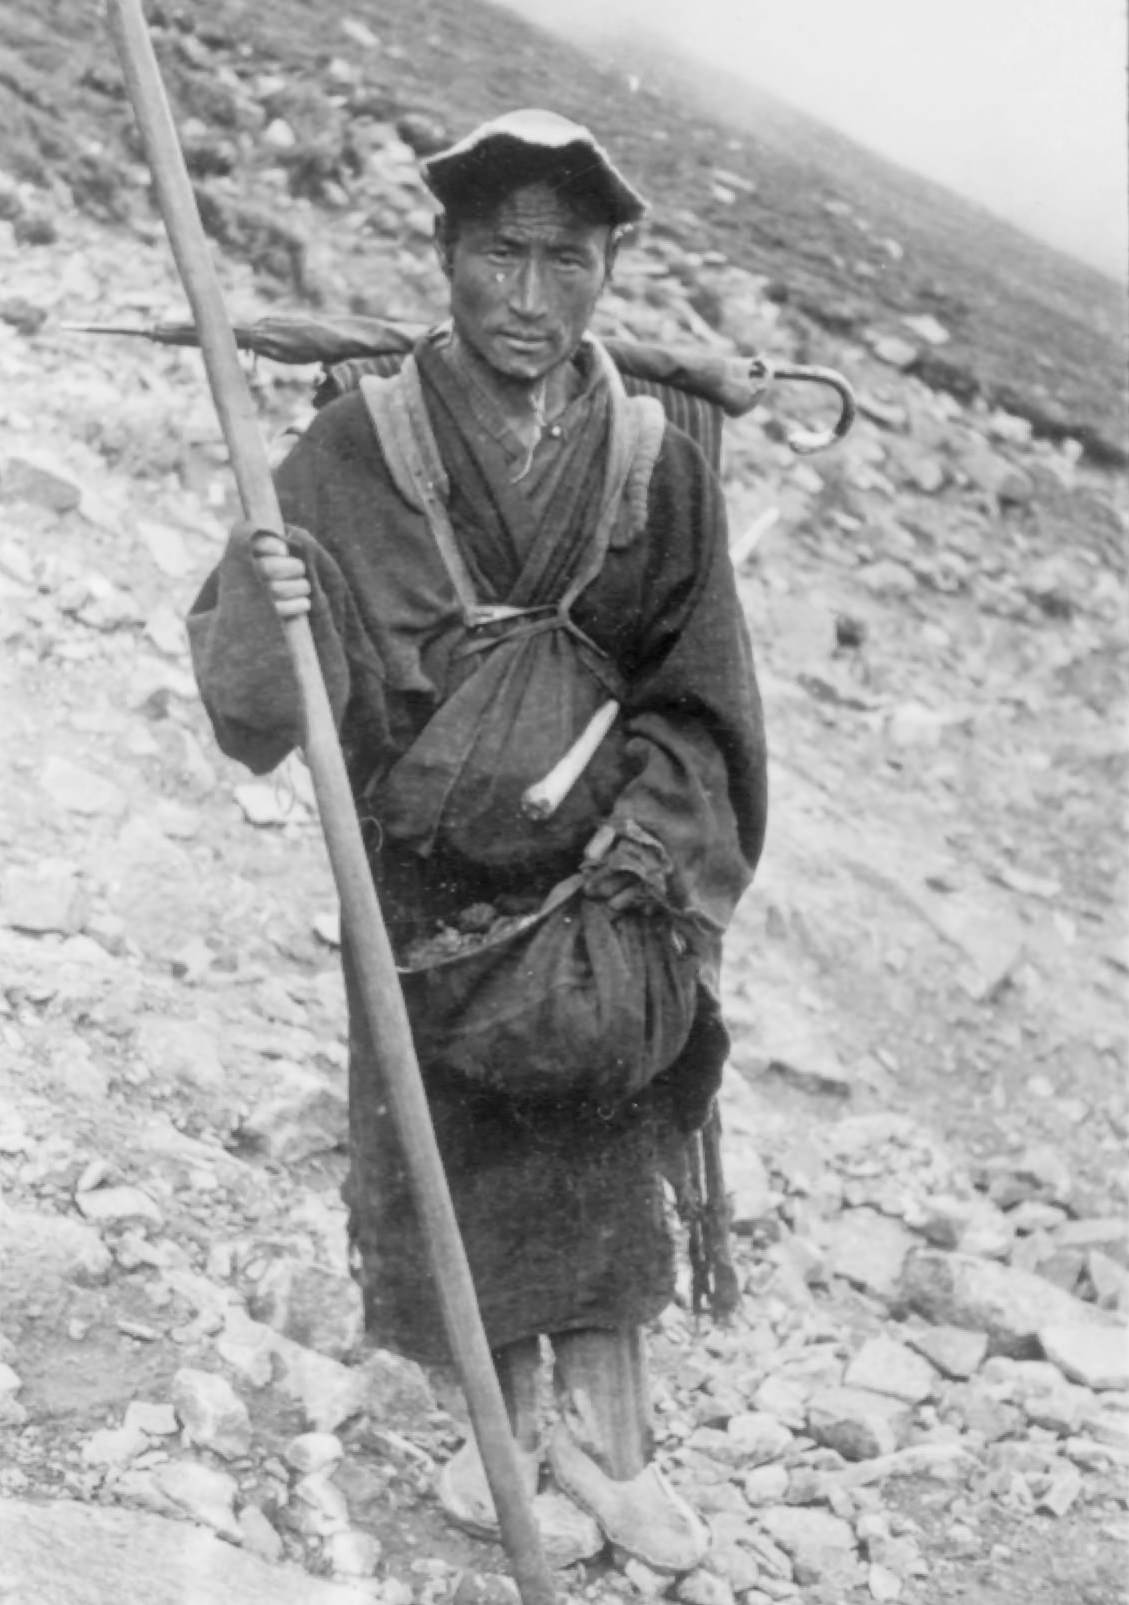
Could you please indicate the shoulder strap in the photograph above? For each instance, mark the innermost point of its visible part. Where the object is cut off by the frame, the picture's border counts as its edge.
(399, 417)
(634, 436)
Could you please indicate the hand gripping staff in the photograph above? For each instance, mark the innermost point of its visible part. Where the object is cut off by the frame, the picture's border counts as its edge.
(383, 1003)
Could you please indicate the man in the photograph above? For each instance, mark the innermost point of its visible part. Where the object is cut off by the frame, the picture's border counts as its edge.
(493, 536)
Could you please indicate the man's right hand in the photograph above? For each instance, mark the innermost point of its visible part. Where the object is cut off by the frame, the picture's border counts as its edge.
(283, 574)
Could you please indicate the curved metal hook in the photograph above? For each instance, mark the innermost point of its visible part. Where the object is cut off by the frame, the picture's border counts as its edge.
(803, 441)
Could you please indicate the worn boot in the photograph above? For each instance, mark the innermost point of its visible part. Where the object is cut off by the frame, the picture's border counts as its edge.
(600, 1451)
(568, 1533)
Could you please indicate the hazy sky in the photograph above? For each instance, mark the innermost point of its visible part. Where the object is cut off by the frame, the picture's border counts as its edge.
(1020, 104)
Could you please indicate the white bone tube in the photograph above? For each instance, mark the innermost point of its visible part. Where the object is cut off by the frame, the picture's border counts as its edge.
(541, 800)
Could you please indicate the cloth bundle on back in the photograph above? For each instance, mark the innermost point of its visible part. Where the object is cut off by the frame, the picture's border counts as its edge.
(493, 542)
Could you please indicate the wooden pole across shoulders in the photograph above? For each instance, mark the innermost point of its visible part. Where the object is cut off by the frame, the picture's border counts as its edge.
(377, 980)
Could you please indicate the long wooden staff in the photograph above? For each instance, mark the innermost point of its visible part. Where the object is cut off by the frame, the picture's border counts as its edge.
(379, 986)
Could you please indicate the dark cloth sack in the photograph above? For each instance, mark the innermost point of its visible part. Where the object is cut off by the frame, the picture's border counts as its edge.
(526, 696)
(579, 999)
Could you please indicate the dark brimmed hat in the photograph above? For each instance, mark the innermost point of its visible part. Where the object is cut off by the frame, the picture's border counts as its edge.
(526, 147)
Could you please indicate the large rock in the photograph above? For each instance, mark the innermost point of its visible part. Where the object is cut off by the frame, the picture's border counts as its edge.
(65, 1553)
(1010, 1305)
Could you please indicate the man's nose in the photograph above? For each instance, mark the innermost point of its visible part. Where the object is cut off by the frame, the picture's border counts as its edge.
(527, 289)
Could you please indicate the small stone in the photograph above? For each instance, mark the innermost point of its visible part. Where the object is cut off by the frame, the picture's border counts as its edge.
(955, 1351)
(119, 1206)
(353, 1553)
(329, 1393)
(23, 481)
(423, 133)
(1097, 1357)
(1061, 1492)
(207, 1496)
(42, 898)
(476, 1588)
(783, 1398)
(885, 1366)
(166, 548)
(977, 1411)
(78, 790)
(858, 1424)
(327, 927)
(12, 1413)
(22, 315)
(396, 1390)
(1040, 1172)
(650, 1584)
(1033, 1215)
(316, 1307)
(735, 1564)
(303, 1117)
(10, 1380)
(313, 1451)
(212, 1413)
(822, 1546)
(894, 352)
(749, 1187)
(359, 33)
(889, 578)
(114, 1447)
(702, 1587)
(1057, 1409)
(1109, 1280)
(318, 1506)
(181, 1050)
(165, 628)
(884, 1585)
(279, 135)
(1110, 1427)
(259, 1536)
(868, 1250)
(155, 1420)
(248, 1347)
(766, 1485)
(927, 328)
(1102, 1232)
(758, 1437)
(264, 804)
(14, 1138)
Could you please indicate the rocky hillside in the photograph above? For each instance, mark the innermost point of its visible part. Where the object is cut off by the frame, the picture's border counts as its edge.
(926, 1394)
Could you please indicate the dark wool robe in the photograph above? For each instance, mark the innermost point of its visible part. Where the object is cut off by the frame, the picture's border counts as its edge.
(560, 1202)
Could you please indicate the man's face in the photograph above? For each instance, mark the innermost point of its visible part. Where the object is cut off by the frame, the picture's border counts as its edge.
(525, 281)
